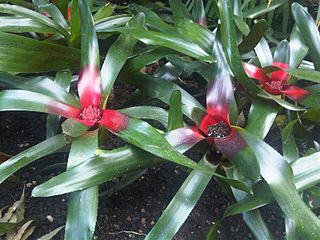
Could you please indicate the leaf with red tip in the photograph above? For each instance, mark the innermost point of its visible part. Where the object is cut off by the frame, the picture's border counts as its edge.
(179, 9)
(220, 90)
(21, 100)
(230, 46)
(295, 93)
(89, 86)
(280, 75)
(114, 121)
(199, 14)
(255, 72)
(89, 40)
(184, 138)
(69, 11)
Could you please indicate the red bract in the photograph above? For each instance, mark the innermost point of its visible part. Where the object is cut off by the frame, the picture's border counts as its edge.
(277, 83)
(91, 113)
(215, 125)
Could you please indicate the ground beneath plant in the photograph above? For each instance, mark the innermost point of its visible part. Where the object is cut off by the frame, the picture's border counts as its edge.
(128, 214)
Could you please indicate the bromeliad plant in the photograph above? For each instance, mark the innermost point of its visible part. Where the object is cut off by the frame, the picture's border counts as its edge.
(187, 42)
(277, 83)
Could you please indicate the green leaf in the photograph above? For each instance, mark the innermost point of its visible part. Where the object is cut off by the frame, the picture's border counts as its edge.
(73, 128)
(104, 12)
(179, 9)
(53, 10)
(75, 30)
(102, 168)
(298, 50)
(42, 85)
(230, 46)
(189, 66)
(261, 117)
(115, 163)
(28, 156)
(89, 40)
(307, 171)
(148, 57)
(181, 205)
(260, 120)
(148, 112)
(63, 6)
(289, 146)
(112, 23)
(22, 25)
(251, 40)
(199, 14)
(170, 41)
(117, 56)
(175, 112)
(37, 17)
(278, 174)
(248, 204)
(20, 100)
(262, 9)
(291, 230)
(144, 136)
(264, 53)
(157, 88)
(286, 104)
(195, 33)
(257, 225)
(21, 54)
(63, 79)
(82, 205)
(309, 32)
(310, 75)
(246, 165)
(282, 52)
(262, 49)
(105, 166)
(152, 19)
